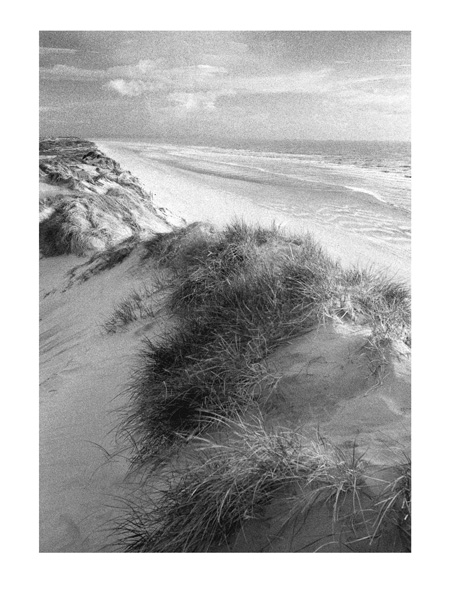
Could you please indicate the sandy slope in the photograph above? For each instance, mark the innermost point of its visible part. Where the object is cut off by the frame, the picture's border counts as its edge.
(329, 384)
(82, 371)
(326, 384)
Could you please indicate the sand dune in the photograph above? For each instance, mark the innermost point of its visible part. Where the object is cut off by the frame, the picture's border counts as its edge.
(337, 377)
(88, 202)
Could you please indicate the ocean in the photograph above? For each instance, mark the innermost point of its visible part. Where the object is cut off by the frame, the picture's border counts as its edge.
(360, 190)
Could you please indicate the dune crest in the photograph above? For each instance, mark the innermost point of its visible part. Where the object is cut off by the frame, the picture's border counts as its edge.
(88, 202)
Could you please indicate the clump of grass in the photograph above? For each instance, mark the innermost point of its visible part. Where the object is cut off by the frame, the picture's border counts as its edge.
(374, 299)
(183, 246)
(205, 506)
(180, 383)
(193, 245)
(239, 294)
(240, 232)
(383, 302)
(99, 204)
(216, 362)
(84, 221)
(103, 260)
(137, 306)
(394, 505)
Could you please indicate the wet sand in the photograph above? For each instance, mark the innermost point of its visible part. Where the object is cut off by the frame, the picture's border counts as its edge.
(355, 235)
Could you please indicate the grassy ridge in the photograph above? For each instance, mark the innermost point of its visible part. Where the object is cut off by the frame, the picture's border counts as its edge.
(81, 223)
(87, 202)
(237, 295)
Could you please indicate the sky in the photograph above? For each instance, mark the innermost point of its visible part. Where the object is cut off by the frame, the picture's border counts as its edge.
(203, 86)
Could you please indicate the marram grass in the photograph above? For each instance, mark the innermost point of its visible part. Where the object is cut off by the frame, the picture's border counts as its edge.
(204, 506)
(137, 305)
(239, 294)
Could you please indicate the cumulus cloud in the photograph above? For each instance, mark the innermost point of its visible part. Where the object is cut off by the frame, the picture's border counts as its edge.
(131, 88)
(186, 77)
(196, 88)
(141, 69)
(191, 88)
(192, 101)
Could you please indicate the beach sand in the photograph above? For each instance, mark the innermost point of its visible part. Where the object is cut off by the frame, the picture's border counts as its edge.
(196, 196)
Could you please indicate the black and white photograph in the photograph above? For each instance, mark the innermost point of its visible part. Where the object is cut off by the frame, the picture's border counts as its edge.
(224, 291)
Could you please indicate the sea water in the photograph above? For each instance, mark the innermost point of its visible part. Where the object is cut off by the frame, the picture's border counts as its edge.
(361, 190)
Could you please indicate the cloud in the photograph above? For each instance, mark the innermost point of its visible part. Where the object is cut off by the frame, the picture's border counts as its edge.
(149, 76)
(194, 102)
(188, 80)
(201, 77)
(388, 93)
(73, 73)
(316, 81)
(190, 102)
(196, 88)
(199, 86)
(131, 88)
(46, 51)
(376, 99)
(142, 68)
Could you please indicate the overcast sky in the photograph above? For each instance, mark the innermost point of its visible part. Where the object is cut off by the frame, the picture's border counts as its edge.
(207, 86)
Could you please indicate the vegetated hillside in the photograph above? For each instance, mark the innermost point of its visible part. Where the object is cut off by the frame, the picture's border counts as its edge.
(87, 202)
(268, 406)
(270, 341)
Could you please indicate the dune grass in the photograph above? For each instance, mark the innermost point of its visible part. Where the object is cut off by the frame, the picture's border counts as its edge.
(137, 306)
(393, 506)
(82, 222)
(102, 261)
(207, 504)
(87, 202)
(239, 294)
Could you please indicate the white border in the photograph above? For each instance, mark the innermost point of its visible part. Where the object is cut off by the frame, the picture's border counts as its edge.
(247, 575)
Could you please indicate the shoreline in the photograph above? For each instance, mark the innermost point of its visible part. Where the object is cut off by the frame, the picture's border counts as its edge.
(196, 196)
